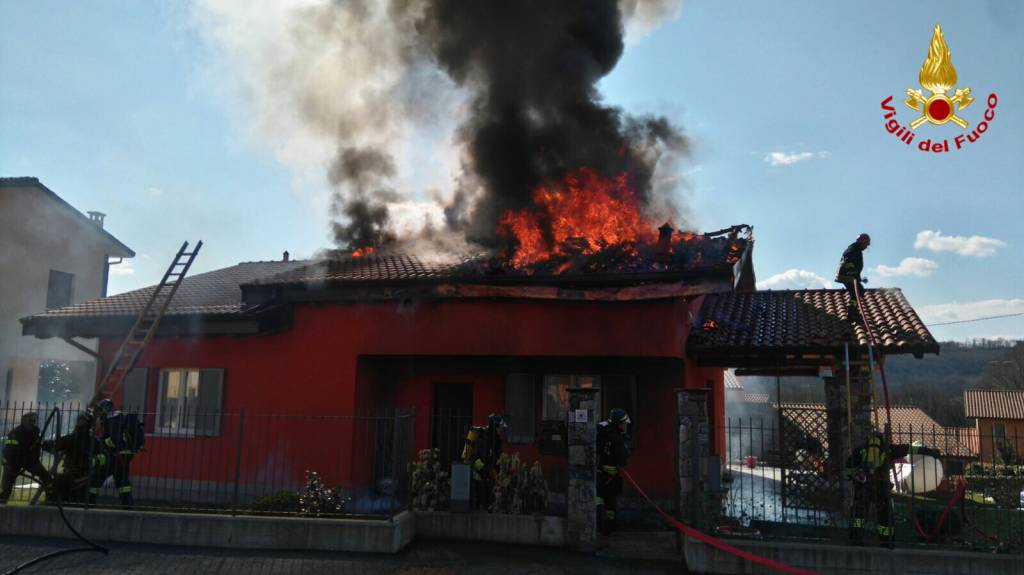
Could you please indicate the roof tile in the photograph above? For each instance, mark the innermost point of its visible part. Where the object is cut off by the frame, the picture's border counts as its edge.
(994, 403)
(766, 321)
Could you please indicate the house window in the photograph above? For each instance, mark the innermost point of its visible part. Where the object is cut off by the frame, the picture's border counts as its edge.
(189, 402)
(520, 410)
(58, 289)
(556, 393)
(616, 391)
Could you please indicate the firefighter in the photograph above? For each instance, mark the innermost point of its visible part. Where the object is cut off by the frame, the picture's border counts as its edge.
(76, 450)
(869, 469)
(612, 454)
(22, 448)
(850, 268)
(481, 451)
(121, 436)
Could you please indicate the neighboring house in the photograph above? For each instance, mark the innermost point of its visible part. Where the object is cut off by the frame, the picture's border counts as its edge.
(909, 424)
(999, 417)
(460, 337)
(51, 256)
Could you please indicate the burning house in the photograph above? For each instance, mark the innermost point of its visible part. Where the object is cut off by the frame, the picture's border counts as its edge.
(451, 339)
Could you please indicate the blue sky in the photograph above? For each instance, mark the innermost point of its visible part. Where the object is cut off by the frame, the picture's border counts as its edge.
(129, 108)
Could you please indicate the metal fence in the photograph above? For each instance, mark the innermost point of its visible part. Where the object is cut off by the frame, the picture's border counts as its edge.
(784, 481)
(243, 462)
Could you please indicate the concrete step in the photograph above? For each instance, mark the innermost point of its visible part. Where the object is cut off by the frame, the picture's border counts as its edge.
(649, 545)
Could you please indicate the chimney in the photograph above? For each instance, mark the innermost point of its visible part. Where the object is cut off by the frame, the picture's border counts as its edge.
(284, 258)
(97, 218)
(664, 254)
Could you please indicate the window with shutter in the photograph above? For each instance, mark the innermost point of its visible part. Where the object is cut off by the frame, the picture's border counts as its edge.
(189, 402)
(519, 407)
(134, 400)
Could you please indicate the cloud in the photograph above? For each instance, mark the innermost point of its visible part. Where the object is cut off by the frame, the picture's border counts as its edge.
(918, 267)
(794, 279)
(643, 16)
(776, 159)
(945, 312)
(974, 246)
(122, 269)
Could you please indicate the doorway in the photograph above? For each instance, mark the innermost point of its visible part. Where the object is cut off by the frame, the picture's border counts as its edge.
(451, 418)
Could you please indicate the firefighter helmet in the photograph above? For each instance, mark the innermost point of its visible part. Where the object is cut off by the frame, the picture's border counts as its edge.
(104, 406)
(864, 239)
(618, 415)
(496, 421)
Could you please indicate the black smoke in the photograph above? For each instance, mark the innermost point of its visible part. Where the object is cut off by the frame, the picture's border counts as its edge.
(532, 67)
(364, 174)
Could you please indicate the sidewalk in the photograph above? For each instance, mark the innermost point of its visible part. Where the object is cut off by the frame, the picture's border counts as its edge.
(422, 557)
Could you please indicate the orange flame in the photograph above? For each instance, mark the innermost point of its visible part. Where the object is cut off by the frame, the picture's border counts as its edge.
(937, 73)
(362, 252)
(585, 213)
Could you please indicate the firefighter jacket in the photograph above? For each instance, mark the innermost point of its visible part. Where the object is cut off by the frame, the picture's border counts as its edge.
(123, 433)
(78, 447)
(612, 449)
(873, 460)
(482, 450)
(852, 264)
(22, 445)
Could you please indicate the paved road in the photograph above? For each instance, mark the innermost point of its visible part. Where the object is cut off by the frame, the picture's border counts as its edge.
(422, 558)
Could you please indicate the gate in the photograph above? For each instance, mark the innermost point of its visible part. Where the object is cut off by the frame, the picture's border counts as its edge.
(806, 481)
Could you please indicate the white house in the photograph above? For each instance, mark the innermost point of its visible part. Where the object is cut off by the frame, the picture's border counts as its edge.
(51, 255)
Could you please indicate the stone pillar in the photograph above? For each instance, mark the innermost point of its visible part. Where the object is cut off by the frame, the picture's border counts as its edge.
(695, 465)
(582, 432)
(849, 417)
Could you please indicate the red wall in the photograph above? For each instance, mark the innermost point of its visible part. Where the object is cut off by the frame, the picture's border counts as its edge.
(314, 368)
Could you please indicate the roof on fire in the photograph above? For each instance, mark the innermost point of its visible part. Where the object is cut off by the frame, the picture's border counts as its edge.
(737, 329)
(242, 292)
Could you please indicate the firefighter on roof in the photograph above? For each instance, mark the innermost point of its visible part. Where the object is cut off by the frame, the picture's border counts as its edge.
(850, 268)
(869, 469)
(612, 453)
(121, 435)
(22, 448)
(481, 451)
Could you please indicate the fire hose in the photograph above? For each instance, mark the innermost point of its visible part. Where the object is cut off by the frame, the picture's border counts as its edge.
(712, 541)
(91, 546)
(959, 494)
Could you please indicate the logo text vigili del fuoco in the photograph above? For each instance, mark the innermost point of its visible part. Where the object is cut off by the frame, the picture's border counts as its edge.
(936, 107)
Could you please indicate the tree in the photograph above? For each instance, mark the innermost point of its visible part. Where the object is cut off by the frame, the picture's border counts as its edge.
(1006, 373)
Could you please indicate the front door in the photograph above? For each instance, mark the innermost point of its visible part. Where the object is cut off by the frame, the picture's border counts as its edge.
(451, 418)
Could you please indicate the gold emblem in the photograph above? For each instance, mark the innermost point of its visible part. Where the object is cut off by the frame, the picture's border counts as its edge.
(937, 76)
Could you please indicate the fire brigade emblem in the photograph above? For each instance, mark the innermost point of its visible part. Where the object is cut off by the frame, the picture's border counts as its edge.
(938, 76)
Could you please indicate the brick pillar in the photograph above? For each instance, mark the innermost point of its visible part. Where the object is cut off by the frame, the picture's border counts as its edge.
(582, 431)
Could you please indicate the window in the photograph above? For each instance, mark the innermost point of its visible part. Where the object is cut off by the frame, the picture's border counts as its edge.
(556, 393)
(616, 391)
(519, 407)
(58, 290)
(189, 402)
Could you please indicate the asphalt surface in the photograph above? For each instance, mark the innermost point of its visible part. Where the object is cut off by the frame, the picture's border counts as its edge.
(421, 558)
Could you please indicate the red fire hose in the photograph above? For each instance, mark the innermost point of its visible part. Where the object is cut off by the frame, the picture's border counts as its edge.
(716, 543)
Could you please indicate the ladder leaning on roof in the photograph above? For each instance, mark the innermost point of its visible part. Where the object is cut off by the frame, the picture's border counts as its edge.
(146, 324)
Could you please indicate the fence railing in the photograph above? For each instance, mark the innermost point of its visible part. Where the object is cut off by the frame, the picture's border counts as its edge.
(235, 462)
(786, 481)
